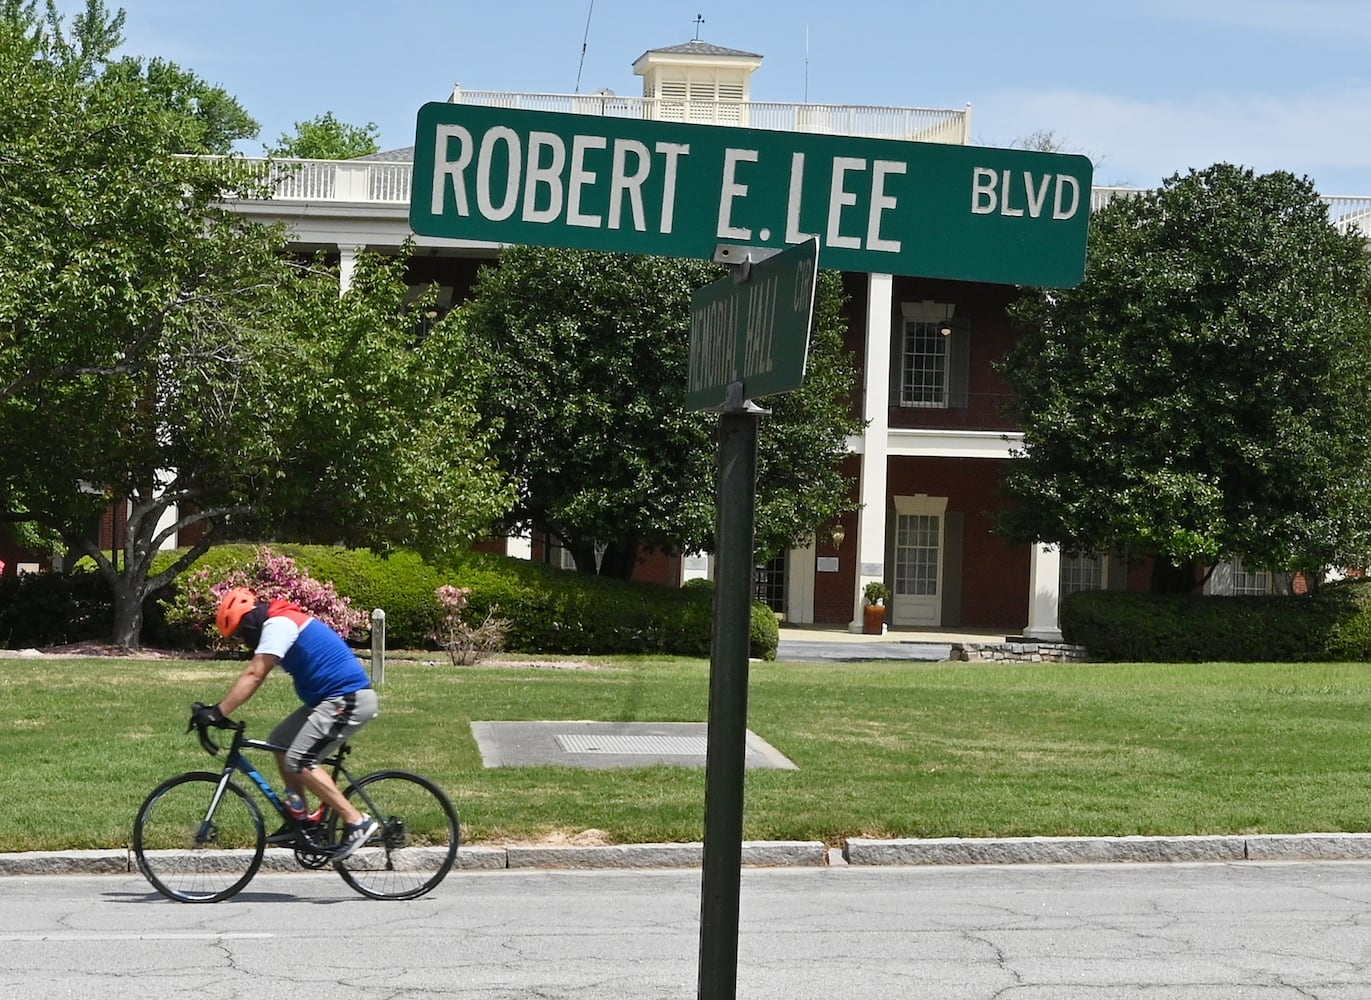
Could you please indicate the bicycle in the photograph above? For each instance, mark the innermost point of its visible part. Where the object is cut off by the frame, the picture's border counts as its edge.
(200, 838)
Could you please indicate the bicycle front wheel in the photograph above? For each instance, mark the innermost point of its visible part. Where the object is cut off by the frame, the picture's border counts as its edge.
(193, 854)
(416, 845)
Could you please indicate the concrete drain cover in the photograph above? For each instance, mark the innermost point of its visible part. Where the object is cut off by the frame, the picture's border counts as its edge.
(671, 746)
(608, 744)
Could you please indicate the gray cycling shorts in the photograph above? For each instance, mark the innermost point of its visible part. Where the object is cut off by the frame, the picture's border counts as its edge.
(312, 732)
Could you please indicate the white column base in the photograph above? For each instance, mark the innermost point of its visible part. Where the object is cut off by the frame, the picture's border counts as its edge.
(1044, 597)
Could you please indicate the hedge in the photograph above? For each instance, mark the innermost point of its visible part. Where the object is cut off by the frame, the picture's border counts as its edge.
(1333, 623)
(50, 609)
(549, 610)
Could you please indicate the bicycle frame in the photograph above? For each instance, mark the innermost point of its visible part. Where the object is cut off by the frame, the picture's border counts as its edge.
(236, 761)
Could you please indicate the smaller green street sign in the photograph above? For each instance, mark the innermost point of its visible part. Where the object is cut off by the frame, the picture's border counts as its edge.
(754, 331)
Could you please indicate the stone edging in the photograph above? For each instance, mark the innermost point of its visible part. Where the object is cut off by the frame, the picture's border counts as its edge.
(1090, 850)
(1027, 651)
(857, 852)
(755, 854)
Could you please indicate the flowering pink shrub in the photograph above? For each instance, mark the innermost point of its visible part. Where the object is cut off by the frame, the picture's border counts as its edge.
(464, 643)
(269, 576)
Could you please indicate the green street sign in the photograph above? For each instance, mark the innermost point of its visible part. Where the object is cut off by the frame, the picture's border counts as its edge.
(973, 213)
(754, 331)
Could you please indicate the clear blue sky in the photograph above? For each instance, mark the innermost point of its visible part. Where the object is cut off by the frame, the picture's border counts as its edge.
(1145, 89)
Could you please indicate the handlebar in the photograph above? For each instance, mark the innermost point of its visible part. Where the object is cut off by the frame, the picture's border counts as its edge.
(209, 745)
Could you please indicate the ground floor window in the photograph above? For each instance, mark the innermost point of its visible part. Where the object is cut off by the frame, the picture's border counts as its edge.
(769, 583)
(1084, 572)
(917, 540)
(1246, 581)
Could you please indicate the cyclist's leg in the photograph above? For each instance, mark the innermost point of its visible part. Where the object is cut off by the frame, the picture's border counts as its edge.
(327, 725)
(284, 735)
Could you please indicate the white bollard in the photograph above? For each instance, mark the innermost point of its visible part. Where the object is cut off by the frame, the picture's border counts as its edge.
(378, 647)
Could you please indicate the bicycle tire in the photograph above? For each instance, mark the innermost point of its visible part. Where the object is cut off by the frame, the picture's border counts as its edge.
(188, 856)
(417, 843)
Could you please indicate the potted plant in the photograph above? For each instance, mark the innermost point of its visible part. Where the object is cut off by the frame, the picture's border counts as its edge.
(876, 594)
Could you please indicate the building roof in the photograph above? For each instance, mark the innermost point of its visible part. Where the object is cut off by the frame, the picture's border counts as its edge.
(403, 155)
(699, 48)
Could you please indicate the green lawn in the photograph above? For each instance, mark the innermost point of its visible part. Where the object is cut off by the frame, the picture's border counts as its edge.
(883, 750)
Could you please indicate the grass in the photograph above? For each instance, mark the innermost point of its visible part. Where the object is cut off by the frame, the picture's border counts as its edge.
(883, 749)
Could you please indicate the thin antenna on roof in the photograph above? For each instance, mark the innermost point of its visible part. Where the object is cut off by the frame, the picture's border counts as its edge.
(584, 39)
(806, 100)
(699, 20)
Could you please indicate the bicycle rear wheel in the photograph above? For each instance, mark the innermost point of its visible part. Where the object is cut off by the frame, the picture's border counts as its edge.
(416, 845)
(190, 854)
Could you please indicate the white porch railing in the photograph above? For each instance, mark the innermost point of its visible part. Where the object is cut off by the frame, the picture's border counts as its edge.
(377, 182)
(949, 125)
(1344, 211)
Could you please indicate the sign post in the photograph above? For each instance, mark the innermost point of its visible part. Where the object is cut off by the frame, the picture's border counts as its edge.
(749, 336)
(726, 739)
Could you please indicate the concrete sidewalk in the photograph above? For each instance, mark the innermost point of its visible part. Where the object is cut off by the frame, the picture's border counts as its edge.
(822, 643)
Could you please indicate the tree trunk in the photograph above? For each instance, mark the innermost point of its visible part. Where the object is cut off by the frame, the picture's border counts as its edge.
(1169, 579)
(619, 560)
(583, 552)
(127, 632)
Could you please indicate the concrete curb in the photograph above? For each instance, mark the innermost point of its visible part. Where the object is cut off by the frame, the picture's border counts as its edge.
(1099, 850)
(759, 854)
(857, 852)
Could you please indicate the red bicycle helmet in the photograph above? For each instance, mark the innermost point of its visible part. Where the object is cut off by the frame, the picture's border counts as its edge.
(232, 607)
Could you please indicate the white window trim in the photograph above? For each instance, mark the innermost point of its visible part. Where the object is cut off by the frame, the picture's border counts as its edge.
(925, 311)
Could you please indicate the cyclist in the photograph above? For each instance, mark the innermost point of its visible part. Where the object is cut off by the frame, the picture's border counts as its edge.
(337, 697)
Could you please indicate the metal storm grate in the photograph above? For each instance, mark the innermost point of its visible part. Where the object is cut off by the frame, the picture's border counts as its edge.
(682, 746)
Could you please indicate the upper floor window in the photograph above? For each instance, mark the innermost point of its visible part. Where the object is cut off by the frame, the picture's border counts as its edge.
(923, 365)
(930, 357)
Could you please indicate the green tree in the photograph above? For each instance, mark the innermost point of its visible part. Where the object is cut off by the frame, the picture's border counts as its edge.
(1201, 394)
(162, 356)
(213, 121)
(375, 420)
(588, 355)
(324, 137)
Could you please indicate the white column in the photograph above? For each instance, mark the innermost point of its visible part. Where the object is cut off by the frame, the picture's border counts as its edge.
(1044, 596)
(880, 290)
(695, 566)
(799, 591)
(347, 264)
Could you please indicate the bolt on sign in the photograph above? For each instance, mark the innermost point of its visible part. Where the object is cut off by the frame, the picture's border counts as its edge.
(973, 213)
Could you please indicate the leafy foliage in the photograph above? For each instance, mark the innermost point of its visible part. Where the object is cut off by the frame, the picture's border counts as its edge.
(161, 355)
(588, 354)
(548, 610)
(1202, 393)
(374, 418)
(212, 120)
(48, 609)
(269, 575)
(324, 137)
(127, 295)
(1330, 624)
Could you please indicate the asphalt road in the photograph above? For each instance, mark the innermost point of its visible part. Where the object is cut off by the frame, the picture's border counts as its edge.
(1245, 931)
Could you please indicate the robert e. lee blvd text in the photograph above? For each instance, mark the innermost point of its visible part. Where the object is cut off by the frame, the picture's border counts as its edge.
(543, 179)
(679, 189)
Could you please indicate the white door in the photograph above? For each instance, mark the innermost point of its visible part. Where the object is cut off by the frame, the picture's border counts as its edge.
(918, 570)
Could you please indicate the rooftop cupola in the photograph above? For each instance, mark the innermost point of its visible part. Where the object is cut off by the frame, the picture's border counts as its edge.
(697, 81)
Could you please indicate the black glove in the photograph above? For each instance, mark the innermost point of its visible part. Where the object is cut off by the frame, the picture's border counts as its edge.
(208, 715)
